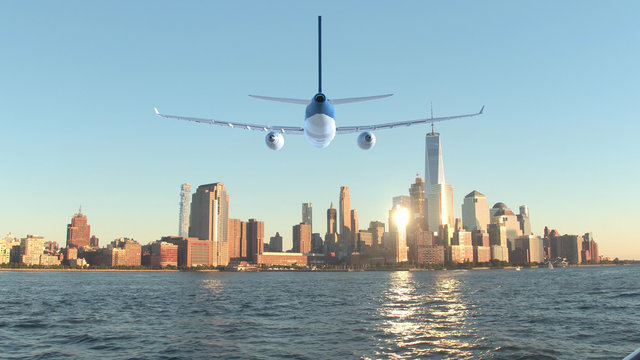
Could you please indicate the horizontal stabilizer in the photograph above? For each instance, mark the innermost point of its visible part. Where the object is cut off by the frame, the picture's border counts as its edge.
(358, 99)
(285, 100)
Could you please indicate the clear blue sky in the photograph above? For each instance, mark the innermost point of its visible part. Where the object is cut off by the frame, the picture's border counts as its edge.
(80, 80)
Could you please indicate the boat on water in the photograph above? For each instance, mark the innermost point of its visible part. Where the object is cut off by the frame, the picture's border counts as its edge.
(518, 268)
(550, 265)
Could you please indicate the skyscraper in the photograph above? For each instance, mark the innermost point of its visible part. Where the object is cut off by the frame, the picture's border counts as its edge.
(501, 214)
(307, 214)
(78, 232)
(417, 197)
(237, 239)
(440, 207)
(331, 220)
(331, 237)
(302, 238)
(376, 228)
(475, 212)
(255, 239)
(399, 216)
(345, 221)
(441, 212)
(523, 219)
(275, 243)
(354, 231)
(209, 220)
(434, 168)
(183, 221)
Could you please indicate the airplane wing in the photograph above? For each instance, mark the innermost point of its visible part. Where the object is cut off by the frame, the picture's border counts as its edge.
(247, 126)
(391, 125)
(358, 99)
(286, 100)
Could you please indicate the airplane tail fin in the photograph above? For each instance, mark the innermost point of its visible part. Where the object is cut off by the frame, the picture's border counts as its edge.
(320, 54)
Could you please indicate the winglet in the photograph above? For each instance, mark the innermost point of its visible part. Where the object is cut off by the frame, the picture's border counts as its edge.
(156, 110)
(481, 110)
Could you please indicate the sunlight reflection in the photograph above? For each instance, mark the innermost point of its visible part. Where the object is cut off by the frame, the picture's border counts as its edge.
(422, 319)
(213, 285)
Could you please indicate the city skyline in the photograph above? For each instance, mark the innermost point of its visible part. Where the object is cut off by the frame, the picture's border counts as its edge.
(85, 98)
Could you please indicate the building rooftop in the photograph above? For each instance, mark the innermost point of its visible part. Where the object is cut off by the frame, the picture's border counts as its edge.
(474, 193)
(500, 206)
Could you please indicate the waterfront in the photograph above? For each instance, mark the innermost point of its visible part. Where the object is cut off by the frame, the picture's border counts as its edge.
(588, 313)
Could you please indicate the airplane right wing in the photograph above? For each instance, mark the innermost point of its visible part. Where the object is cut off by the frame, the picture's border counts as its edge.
(247, 126)
(391, 125)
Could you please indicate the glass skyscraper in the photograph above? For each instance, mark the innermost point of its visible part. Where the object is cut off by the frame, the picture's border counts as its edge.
(183, 221)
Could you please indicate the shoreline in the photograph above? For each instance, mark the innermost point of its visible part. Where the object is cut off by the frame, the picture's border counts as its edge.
(288, 270)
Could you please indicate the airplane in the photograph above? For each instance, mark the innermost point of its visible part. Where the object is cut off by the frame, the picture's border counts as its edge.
(319, 122)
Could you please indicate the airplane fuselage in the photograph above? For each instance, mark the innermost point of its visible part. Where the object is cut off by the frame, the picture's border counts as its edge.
(319, 122)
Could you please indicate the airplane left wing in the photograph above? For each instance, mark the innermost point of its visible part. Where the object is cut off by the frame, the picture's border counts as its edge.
(391, 125)
(247, 126)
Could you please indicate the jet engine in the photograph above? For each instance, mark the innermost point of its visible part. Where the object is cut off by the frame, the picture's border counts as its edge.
(366, 140)
(274, 140)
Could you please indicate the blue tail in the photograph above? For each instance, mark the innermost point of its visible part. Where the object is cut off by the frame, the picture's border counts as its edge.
(319, 54)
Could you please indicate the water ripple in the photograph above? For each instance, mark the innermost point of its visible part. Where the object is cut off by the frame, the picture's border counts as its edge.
(496, 314)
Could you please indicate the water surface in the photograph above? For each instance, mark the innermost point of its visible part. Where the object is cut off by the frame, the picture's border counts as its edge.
(570, 313)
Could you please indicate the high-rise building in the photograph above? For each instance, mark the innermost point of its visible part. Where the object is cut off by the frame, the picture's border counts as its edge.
(5, 252)
(275, 243)
(475, 212)
(183, 221)
(127, 252)
(78, 232)
(365, 240)
(237, 239)
(354, 231)
(302, 238)
(191, 251)
(376, 228)
(345, 221)
(402, 201)
(590, 249)
(399, 216)
(440, 207)
(417, 196)
(209, 220)
(501, 214)
(330, 243)
(255, 239)
(163, 254)
(316, 243)
(523, 219)
(331, 220)
(461, 248)
(528, 248)
(434, 168)
(31, 249)
(567, 246)
(498, 241)
(307, 214)
(94, 241)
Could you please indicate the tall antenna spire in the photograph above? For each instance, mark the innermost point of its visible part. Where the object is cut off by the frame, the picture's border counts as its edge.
(431, 102)
(319, 54)
(80, 211)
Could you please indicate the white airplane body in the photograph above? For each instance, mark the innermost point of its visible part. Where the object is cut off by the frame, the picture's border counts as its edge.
(319, 124)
